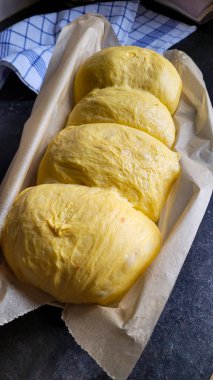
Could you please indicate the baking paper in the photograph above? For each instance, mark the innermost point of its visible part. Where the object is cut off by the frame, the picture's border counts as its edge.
(115, 337)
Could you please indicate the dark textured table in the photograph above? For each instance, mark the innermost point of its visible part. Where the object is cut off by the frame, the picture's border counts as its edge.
(38, 346)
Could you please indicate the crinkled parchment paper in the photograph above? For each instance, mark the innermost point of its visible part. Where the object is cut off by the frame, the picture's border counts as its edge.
(115, 337)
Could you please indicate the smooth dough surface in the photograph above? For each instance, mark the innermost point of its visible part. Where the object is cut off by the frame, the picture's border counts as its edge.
(80, 244)
(133, 67)
(136, 108)
(108, 155)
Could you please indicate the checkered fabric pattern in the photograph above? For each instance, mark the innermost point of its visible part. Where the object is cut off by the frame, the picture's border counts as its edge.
(27, 46)
(157, 32)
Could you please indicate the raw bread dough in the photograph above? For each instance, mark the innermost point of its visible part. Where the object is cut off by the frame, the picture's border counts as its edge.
(108, 155)
(80, 244)
(131, 67)
(136, 108)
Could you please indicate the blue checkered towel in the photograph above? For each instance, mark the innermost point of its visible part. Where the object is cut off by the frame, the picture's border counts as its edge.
(27, 46)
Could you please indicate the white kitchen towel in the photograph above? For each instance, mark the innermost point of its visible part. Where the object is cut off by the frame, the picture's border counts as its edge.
(27, 46)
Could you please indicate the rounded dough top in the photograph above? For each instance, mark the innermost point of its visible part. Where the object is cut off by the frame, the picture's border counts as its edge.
(133, 67)
(135, 108)
(80, 244)
(108, 155)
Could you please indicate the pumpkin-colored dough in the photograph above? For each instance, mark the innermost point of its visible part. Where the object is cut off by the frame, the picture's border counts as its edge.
(132, 67)
(80, 244)
(139, 166)
(136, 108)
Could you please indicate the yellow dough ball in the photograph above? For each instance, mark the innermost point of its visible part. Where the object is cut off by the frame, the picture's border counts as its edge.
(132, 67)
(139, 166)
(136, 108)
(80, 244)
